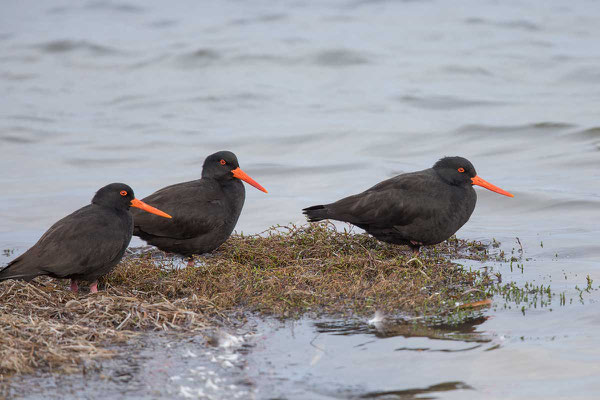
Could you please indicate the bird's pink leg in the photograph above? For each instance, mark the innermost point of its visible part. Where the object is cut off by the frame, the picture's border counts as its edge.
(415, 247)
(94, 287)
(74, 286)
(190, 262)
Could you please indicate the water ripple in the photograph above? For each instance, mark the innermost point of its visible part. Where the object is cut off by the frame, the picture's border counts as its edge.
(590, 136)
(446, 102)
(339, 58)
(518, 24)
(115, 7)
(585, 75)
(538, 127)
(15, 139)
(267, 58)
(31, 118)
(99, 162)
(163, 23)
(199, 57)
(68, 46)
(466, 70)
(259, 20)
(12, 76)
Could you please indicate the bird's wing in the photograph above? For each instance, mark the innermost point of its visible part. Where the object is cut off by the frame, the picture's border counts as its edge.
(80, 242)
(196, 207)
(395, 202)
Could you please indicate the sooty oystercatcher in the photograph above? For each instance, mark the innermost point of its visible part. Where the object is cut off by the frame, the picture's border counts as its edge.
(86, 244)
(418, 208)
(204, 211)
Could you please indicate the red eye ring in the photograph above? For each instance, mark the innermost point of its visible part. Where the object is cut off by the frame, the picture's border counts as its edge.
(123, 192)
(223, 162)
(461, 169)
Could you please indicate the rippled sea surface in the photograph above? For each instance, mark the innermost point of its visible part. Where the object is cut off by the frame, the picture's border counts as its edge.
(320, 100)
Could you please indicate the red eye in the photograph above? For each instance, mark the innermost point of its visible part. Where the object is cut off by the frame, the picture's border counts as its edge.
(123, 193)
(461, 169)
(223, 162)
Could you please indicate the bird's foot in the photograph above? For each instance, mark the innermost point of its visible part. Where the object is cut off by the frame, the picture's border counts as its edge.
(415, 246)
(94, 287)
(191, 262)
(74, 287)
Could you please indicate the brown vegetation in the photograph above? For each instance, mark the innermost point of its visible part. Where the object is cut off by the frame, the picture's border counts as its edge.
(284, 272)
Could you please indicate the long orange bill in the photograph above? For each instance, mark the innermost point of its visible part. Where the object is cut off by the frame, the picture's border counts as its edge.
(238, 173)
(140, 204)
(480, 182)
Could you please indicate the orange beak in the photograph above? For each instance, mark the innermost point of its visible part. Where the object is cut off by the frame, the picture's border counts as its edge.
(238, 173)
(140, 204)
(480, 182)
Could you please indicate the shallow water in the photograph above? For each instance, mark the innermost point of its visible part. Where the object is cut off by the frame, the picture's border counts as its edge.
(321, 100)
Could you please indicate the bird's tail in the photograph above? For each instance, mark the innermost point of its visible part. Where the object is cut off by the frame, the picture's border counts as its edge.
(316, 213)
(16, 269)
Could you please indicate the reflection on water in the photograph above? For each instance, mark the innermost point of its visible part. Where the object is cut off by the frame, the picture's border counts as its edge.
(383, 328)
(409, 394)
(321, 100)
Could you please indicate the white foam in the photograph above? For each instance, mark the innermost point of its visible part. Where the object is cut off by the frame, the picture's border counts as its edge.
(228, 340)
(377, 318)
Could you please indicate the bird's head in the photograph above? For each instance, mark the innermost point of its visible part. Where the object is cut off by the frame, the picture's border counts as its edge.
(223, 165)
(121, 196)
(459, 171)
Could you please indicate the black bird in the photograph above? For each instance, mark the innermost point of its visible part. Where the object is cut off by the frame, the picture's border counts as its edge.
(86, 244)
(418, 208)
(204, 211)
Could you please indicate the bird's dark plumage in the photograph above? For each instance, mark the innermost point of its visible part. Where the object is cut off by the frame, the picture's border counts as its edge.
(84, 245)
(205, 211)
(418, 208)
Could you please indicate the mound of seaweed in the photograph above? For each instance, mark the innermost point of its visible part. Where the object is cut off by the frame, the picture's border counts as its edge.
(284, 272)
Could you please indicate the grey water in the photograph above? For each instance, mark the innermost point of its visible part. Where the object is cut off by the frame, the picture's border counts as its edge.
(320, 100)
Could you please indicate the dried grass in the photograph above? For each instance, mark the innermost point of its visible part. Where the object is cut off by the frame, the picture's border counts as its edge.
(43, 325)
(284, 272)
